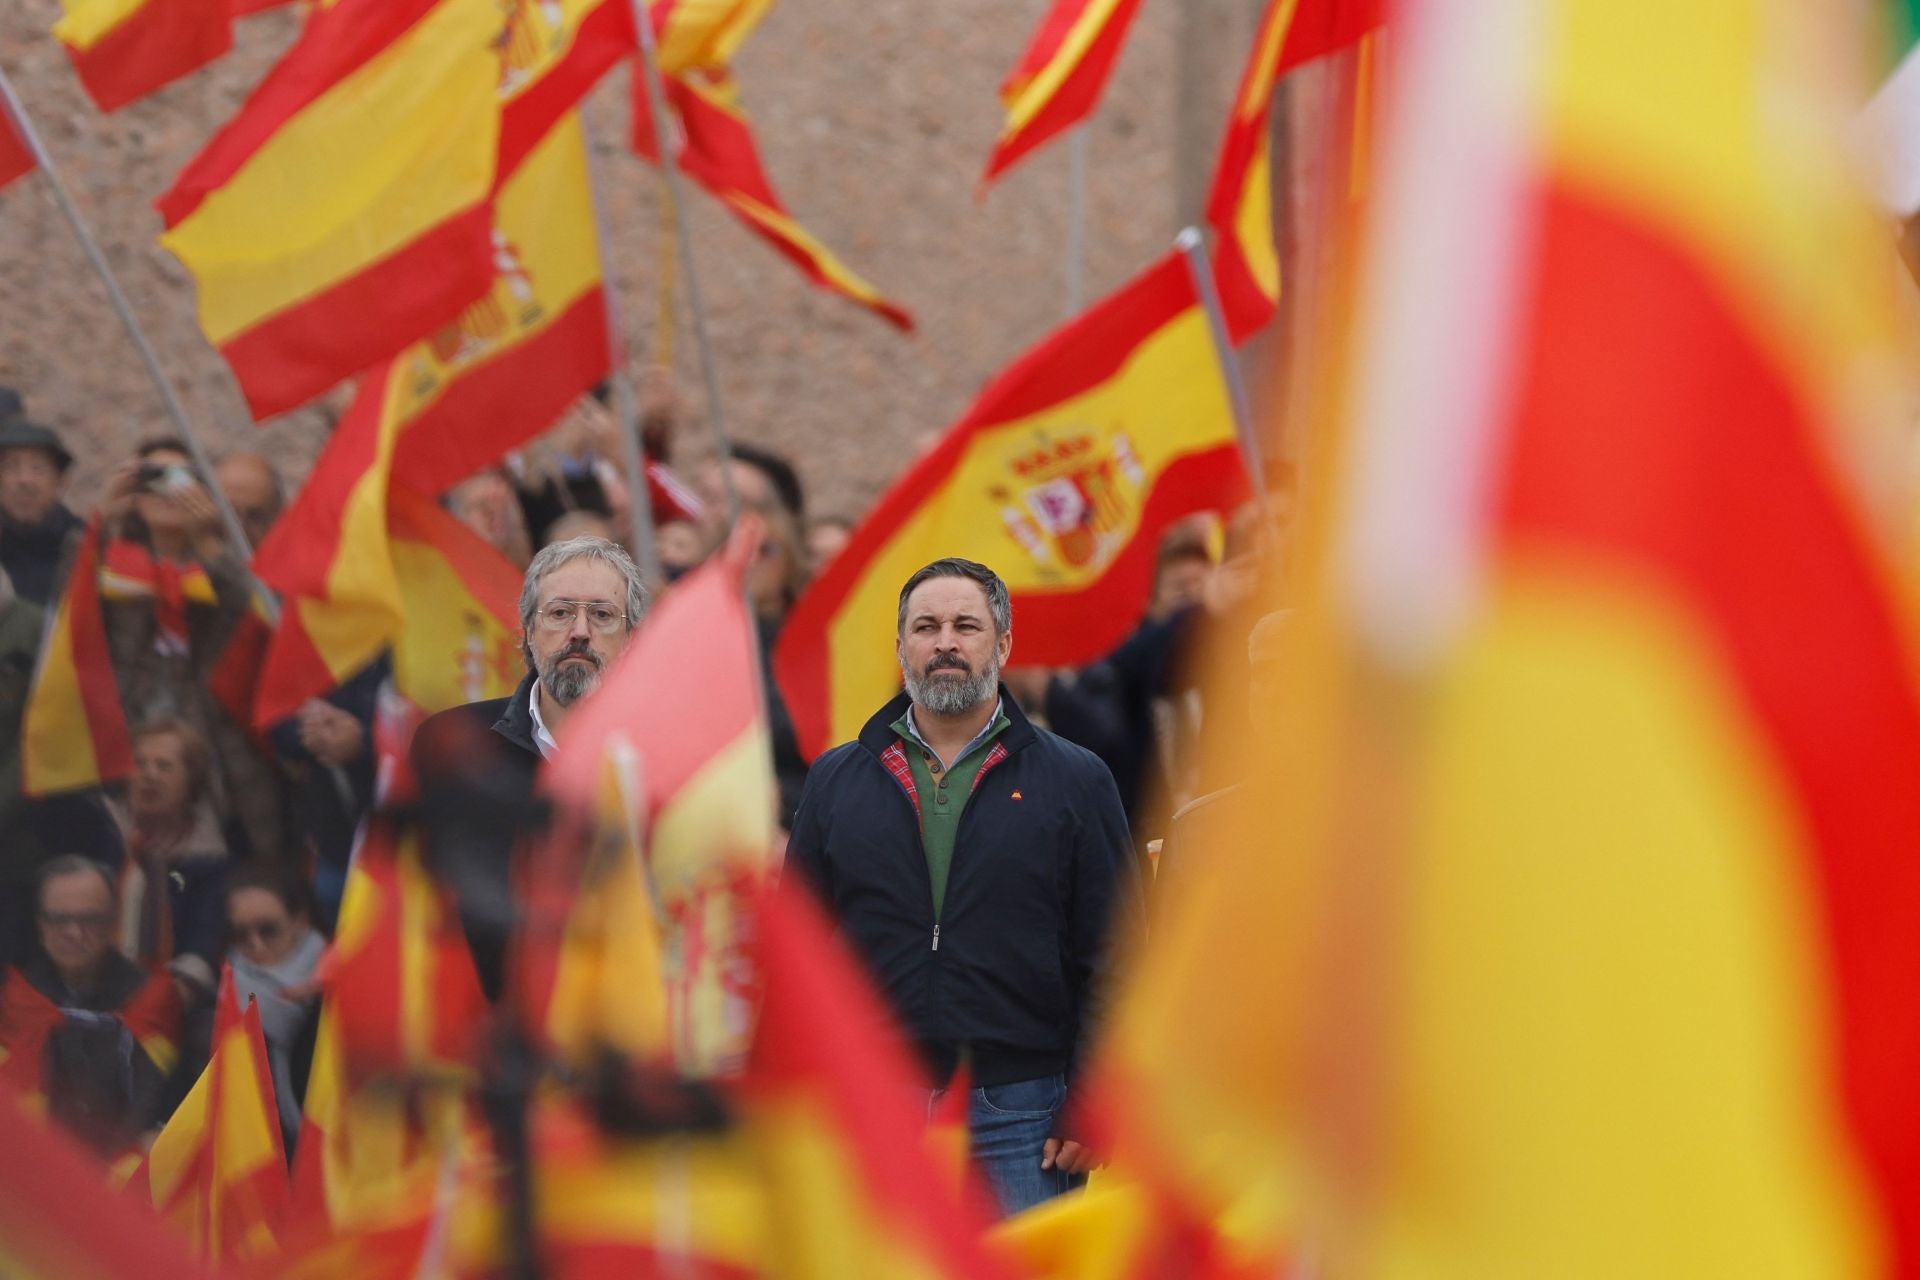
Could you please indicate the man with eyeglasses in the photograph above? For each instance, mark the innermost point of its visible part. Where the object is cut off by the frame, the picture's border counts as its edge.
(80, 1023)
(477, 764)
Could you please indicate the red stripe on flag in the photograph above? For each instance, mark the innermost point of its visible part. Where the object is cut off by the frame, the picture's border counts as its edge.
(155, 44)
(335, 41)
(289, 358)
(15, 159)
(505, 401)
(291, 672)
(604, 36)
(1078, 95)
(1615, 466)
(1321, 26)
(487, 575)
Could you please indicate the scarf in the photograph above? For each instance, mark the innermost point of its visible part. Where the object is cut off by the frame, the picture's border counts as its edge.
(129, 571)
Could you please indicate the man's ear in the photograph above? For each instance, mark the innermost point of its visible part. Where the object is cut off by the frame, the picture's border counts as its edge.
(1005, 645)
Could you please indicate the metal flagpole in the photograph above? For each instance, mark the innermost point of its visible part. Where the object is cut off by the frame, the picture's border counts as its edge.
(1076, 221)
(236, 533)
(626, 409)
(1192, 248)
(663, 140)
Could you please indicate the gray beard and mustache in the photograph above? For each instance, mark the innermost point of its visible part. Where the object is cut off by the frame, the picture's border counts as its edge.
(567, 684)
(950, 697)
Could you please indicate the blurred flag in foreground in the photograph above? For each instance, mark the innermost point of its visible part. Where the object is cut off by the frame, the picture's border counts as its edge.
(74, 734)
(343, 212)
(1240, 202)
(1572, 912)
(125, 49)
(1061, 477)
(218, 1170)
(678, 721)
(1058, 80)
(59, 1221)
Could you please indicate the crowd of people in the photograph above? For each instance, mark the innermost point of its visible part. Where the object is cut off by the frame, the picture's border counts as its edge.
(229, 849)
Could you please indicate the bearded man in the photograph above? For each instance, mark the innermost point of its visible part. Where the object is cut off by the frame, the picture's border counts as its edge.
(477, 764)
(978, 865)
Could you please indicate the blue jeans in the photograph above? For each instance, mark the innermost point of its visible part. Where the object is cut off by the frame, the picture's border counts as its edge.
(1006, 1127)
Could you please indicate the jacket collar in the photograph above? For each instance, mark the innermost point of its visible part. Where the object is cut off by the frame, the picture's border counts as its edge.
(878, 733)
(516, 722)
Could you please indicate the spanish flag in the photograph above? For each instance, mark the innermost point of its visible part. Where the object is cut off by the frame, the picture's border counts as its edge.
(344, 212)
(679, 717)
(1240, 202)
(702, 34)
(500, 372)
(718, 152)
(74, 734)
(125, 49)
(1577, 904)
(60, 1221)
(15, 158)
(1058, 81)
(218, 1170)
(461, 638)
(1061, 477)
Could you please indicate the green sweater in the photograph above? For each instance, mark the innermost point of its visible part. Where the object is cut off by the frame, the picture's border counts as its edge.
(943, 794)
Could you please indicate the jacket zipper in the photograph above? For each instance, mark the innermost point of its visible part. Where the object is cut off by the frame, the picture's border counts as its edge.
(936, 936)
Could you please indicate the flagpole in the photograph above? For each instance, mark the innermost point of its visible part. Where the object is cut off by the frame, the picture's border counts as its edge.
(236, 533)
(1076, 221)
(626, 408)
(1191, 247)
(683, 237)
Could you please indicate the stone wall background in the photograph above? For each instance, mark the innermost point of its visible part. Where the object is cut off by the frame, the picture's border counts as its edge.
(875, 118)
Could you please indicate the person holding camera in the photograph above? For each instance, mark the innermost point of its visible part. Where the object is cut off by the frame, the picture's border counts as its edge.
(172, 591)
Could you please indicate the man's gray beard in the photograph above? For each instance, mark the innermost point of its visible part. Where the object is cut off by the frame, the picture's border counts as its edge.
(566, 684)
(951, 697)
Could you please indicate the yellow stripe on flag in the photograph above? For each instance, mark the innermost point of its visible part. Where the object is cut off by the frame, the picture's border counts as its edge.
(1028, 99)
(387, 154)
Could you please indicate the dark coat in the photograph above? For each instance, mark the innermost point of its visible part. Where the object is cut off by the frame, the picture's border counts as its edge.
(34, 556)
(1042, 868)
(477, 765)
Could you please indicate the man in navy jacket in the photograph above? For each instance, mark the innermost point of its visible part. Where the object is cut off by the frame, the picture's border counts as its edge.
(979, 866)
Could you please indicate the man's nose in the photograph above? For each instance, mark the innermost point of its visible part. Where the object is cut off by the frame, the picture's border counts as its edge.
(582, 626)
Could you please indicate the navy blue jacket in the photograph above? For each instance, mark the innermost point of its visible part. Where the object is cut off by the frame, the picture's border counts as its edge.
(1042, 865)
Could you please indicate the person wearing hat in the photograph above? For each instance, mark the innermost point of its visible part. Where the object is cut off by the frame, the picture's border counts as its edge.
(36, 529)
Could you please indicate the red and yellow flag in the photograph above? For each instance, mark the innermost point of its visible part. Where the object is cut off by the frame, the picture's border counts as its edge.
(697, 766)
(399, 979)
(1061, 477)
(15, 158)
(1576, 906)
(60, 1221)
(462, 641)
(125, 49)
(74, 734)
(1058, 81)
(852, 1188)
(1240, 202)
(344, 212)
(499, 373)
(718, 151)
(218, 1170)
(703, 34)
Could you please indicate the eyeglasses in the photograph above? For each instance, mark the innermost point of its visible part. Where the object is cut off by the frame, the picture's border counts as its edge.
(87, 921)
(561, 615)
(265, 930)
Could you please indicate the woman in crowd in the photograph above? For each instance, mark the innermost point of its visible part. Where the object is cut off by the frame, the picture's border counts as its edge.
(275, 953)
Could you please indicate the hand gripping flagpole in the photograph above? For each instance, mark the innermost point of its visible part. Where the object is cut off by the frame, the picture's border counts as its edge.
(1191, 247)
(670, 168)
(626, 409)
(236, 533)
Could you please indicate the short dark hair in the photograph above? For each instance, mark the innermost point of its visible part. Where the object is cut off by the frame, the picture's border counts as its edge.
(779, 473)
(73, 864)
(282, 884)
(999, 603)
(161, 444)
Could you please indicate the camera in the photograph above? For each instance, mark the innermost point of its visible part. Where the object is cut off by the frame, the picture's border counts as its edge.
(154, 477)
